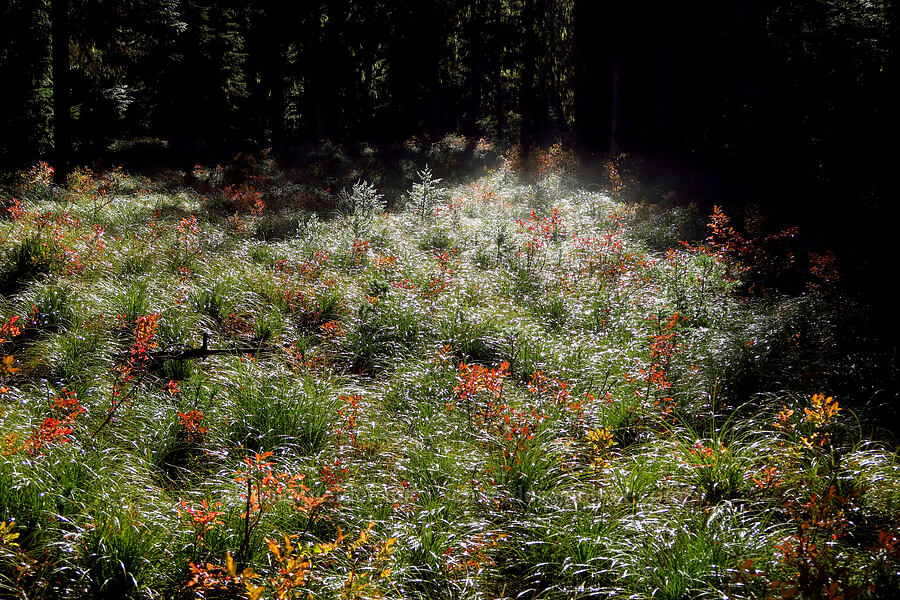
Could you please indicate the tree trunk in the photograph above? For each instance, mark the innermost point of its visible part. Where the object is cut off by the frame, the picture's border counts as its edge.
(499, 104)
(890, 102)
(476, 66)
(666, 99)
(62, 134)
(273, 72)
(593, 76)
(527, 92)
(433, 66)
(313, 46)
(616, 102)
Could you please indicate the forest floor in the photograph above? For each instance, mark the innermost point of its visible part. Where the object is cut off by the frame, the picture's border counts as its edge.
(226, 383)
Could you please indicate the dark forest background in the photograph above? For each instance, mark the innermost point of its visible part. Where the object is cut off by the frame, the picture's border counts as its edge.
(789, 105)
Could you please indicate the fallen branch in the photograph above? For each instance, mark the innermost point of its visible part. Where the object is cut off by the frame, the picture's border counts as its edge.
(204, 351)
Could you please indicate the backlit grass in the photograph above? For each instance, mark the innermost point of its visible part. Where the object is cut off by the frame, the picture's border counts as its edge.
(486, 389)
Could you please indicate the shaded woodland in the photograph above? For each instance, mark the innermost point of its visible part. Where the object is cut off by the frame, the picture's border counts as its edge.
(448, 299)
(787, 105)
(767, 87)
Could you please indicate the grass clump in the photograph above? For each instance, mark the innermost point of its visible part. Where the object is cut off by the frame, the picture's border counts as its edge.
(272, 412)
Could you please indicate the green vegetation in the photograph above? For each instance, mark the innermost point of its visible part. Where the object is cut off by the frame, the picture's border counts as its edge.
(487, 389)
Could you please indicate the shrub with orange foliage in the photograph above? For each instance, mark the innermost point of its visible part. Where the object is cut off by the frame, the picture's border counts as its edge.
(193, 427)
(664, 346)
(202, 520)
(265, 487)
(244, 199)
(132, 371)
(8, 331)
(812, 554)
(475, 378)
(538, 231)
(555, 160)
(55, 429)
(359, 251)
(348, 413)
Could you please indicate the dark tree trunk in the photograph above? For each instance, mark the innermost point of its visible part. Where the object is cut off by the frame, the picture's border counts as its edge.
(616, 121)
(433, 65)
(62, 134)
(749, 53)
(528, 105)
(666, 107)
(476, 66)
(499, 101)
(314, 76)
(273, 72)
(254, 73)
(593, 76)
(890, 102)
(334, 70)
(874, 238)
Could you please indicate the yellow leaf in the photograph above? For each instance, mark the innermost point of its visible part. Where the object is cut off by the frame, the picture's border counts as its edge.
(6, 366)
(274, 549)
(6, 535)
(229, 565)
(364, 536)
(386, 573)
(254, 591)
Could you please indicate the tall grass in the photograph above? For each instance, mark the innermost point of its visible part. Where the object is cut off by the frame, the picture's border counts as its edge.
(491, 390)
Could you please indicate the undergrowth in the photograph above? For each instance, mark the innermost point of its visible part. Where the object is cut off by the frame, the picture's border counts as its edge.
(490, 389)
